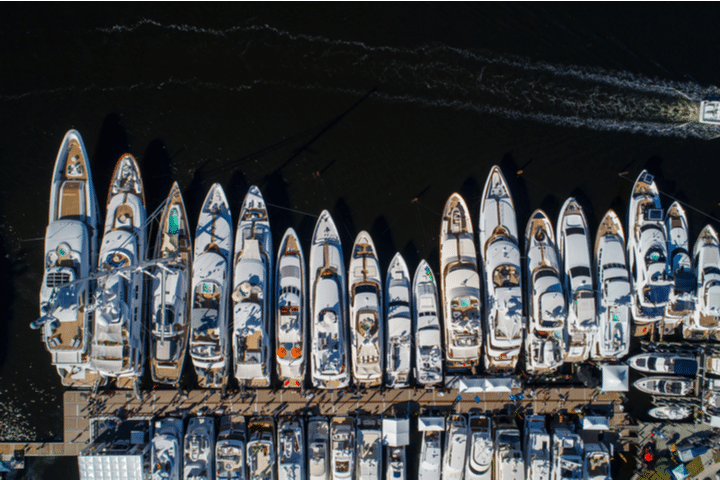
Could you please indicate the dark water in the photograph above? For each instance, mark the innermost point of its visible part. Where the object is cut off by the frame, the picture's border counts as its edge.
(376, 112)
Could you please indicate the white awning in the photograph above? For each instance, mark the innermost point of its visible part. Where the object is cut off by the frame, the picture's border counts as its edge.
(476, 385)
(431, 424)
(111, 467)
(596, 423)
(615, 378)
(396, 431)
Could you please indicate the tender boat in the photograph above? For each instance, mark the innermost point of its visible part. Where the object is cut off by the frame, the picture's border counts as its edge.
(395, 461)
(198, 462)
(712, 364)
(460, 287)
(456, 439)
(613, 291)
(71, 253)
(291, 449)
(366, 319)
(573, 241)
(230, 449)
(369, 449)
(261, 448)
(482, 449)
(328, 308)
(706, 318)
(710, 112)
(342, 444)
(665, 385)
(567, 455)
(430, 448)
(170, 289)
(545, 342)
(291, 312)
(398, 323)
(500, 252)
(428, 343)
(656, 362)
(676, 412)
(252, 293)
(210, 322)
(319, 449)
(537, 448)
(166, 449)
(681, 302)
(597, 462)
(509, 463)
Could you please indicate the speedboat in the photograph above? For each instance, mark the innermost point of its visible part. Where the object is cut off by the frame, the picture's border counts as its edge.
(456, 439)
(681, 302)
(398, 323)
(500, 252)
(482, 449)
(395, 460)
(537, 448)
(430, 456)
(328, 308)
(71, 253)
(198, 462)
(665, 385)
(597, 462)
(291, 325)
(612, 340)
(656, 362)
(261, 448)
(369, 449)
(460, 287)
(118, 343)
(647, 254)
(567, 455)
(291, 449)
(342, 447)
(166, 449)
(318, 449)
(509, 464)
(252, 292)
(675, 412)
(706, 318)
(230, 449)
(573, 241)
(545, 342)
(209, 325)
(710, 112)
(170, 289)
(366, 324)
(428, 344)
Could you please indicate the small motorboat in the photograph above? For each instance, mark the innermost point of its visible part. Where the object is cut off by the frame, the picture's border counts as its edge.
(665, 385)
(710, 112)
(369, 449)
(342, 448)
(167, 449)
(456, 440)
(428, 343)
(672, 363)
(482, 449)
(675, 412)
(398, 324)
(230, 449)
(319, 449)
(198, 461)
(291, 448)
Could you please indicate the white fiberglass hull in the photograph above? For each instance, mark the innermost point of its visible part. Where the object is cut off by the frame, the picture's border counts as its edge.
(428, 341)
(399, 323)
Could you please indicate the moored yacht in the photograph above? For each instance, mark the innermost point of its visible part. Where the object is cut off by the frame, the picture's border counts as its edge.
(398, 323)
(509, 464)
(366, 317)
(660, 362)
(537, 448)
(210, 322)
(342, 448)
(460, 287)
(456, 440)
(675, 412)
(198, 462)
(500, 253)
(395, 461)
(431, 447)
(166, 449)
(681, 302)
(567, 455)
(710, 112)
(482, 449)
(329, 366)
(665, 385)
(252, 292)
(597, 462)
(261, 448)
(291, 448)
(369, 449)
(705, 321)
(291, 312)
(319, 449)
(428, 343)
(230, 449)
(545, 341)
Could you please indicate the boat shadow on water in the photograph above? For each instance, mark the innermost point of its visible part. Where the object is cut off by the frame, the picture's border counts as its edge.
(9, 270)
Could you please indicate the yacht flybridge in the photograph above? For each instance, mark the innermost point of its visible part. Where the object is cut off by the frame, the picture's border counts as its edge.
(509, 463)
(398, 323)
(681, 302)
(199, 459)
(318, 449)
(167, 449)
(456, 443)
(481, 449)
(342, 444)
(567, 455)
(667, 385)
(291, 449)
(428, 343)
(597, 462)
(705, 321)
(369, 449)
(537, 448)
(261, 448)
(710, 112)
(230, 449)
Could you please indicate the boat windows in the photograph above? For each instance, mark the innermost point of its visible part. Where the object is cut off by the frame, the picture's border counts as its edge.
(579, 272)
(366, 288)
(574, 231)
(652, 363)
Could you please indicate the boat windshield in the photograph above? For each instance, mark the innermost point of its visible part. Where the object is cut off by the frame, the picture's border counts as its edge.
(652, 362)
(655, 255)
(506, 276)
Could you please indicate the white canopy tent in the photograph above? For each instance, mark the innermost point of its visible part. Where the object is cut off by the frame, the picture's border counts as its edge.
(431, 424)
(477, 385)
(596, 423)
(396, 431)
(615, 378)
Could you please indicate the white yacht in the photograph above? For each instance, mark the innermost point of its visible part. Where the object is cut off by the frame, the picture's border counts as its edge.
(366, 317)
(428, 343)
(166, 449)
(170, 289)
(460, 287)
(500, 253)
(198, 462)
(291, 449)
(537, 448)
(482, 449)
(342, 448)
(395, 463)
(509, 464)
(456, 440)
(319, 449)
(661, 362)
(398, 320)
(261, 448)
(291, 312)
(573, 241)
(681, 302)
(71, 253)
(597, 462)
(670, 412)
(545, 342)
(369, 449)
(252, 293)
(612, 340)
(710, 112)
(230, 449)
(329, 366)
(430, 455)
(567, 455)
(705, 321)
(666, 385)
(210, 322)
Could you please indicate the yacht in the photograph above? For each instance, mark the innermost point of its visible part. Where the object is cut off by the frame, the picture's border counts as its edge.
(665, 385)
(328, 308)
(71, 253)
(500, 252)
(509, 463)
(537, 448)
(567, 455)
(456, 439)
(430, 455)
(612, 340)
(230, 449)
(342, 447)
(210, 323)
(460, 287)
(170, 288)
(710, 112)
(366, 324)
(252, 292)
(428, 343)
(681, 302)
(198, 462)
(712, 363)
(291, 449)
(482, 449)
(261, 448)
(545, 342)
(398, 323)
(675, 412)
(318, 449)
(597, 462)
(672, 363)
(573, 241)
(118, 343)
(369, 449)
(395, 461)
(291, 325)
(705, 321)
(166, 449)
